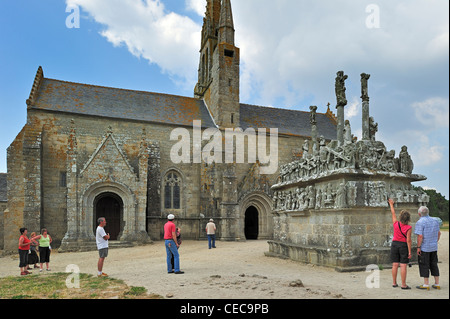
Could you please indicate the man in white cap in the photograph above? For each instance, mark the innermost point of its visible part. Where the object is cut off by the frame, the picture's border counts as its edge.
(170, 238)
(211, 232)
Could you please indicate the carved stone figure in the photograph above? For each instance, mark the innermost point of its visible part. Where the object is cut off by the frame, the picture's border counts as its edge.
(351, 193)
(373, 128)
(364, 86)
(305, 149)
(312, 116)
(341, 196)
(340, 89)
(406, 164)
(311, 197)
(348, 138)
(318, 199)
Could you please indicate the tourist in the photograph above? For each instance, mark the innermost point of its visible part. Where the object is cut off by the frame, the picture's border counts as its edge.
(401, 245)
(44, 248)
(24, 247)
(171, 244)
(33, 257)
(179, 241)
(102, 245)
(211, 233)
(428, 235)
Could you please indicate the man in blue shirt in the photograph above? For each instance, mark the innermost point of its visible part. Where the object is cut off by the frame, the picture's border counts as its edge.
(428, 235)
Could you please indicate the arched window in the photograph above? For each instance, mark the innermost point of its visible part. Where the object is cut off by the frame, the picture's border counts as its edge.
(172, 191)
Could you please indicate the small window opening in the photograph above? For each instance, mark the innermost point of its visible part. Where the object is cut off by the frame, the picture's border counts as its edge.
(229, 53)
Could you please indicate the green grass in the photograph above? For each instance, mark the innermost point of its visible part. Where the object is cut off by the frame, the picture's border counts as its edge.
(53, 286)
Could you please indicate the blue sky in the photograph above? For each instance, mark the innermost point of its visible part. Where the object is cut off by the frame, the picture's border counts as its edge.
(290, 53)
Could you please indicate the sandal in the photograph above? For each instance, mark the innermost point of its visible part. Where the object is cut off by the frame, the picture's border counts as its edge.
(406, 288)
(394, 286)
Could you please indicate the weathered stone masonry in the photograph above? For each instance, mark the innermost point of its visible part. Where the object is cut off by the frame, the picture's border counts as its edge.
(86, 149)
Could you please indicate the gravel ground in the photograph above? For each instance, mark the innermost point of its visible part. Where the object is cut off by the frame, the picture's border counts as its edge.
(238, 270)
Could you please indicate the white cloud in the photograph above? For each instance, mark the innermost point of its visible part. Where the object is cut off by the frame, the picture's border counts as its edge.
(165, 38)
(433, 112)
(424, 151)
(198, 6)
(353, 108)
(298, 46)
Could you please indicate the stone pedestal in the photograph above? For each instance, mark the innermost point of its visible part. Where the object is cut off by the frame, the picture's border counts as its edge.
(335, 212)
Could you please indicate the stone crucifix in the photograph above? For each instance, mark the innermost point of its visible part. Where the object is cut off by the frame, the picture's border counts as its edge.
(341, 103)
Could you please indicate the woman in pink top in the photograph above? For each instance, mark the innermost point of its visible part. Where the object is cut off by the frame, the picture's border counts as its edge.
(401, 245)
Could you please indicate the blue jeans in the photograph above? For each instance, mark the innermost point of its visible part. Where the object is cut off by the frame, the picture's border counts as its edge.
(172, 250)
(212, 238)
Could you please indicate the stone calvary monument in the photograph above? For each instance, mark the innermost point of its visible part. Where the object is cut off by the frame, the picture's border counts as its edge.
(330, 206)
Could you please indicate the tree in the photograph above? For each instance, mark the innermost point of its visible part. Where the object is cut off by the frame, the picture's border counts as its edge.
(438, 205)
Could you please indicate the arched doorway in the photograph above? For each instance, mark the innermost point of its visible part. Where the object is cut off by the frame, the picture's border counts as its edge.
(110, 206)
(251, 223)
(256, 210)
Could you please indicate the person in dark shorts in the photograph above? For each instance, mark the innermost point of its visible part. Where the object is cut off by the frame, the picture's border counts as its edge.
(428, 235)
(102, 245)
(401, 245)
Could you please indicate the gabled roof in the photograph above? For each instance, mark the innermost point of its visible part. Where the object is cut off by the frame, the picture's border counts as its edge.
(55, 95)
(76, 98)
(289, 122)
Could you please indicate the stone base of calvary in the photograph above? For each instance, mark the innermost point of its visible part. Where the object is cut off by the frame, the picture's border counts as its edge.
(330, 207)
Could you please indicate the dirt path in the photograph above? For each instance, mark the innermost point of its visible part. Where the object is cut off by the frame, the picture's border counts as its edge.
(238, 271)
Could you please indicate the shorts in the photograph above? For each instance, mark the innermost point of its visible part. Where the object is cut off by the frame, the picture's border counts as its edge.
(103, 253)
(428, 262)
(399, 252)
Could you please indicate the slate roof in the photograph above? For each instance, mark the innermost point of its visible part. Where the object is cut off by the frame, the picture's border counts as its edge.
(3, 187)
(61, 96)
(289, 122)
(101, 101)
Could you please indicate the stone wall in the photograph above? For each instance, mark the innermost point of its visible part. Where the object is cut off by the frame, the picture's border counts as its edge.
(40, 156)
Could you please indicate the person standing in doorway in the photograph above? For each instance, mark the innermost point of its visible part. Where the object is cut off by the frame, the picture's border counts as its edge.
(170, 238)
(102, 245)
(428, 234)
(211, 233)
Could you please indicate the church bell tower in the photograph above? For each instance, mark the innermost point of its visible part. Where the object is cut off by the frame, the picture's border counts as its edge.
(218, 74)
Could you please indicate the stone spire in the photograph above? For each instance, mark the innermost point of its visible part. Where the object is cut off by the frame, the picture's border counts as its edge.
(226, 25)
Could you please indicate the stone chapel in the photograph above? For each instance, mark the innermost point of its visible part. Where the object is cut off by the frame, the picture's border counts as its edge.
(89, 151)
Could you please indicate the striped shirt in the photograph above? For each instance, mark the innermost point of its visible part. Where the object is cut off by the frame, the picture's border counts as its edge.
(429, 228)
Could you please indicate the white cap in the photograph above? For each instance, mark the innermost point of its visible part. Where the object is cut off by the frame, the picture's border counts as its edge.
(171, 217)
